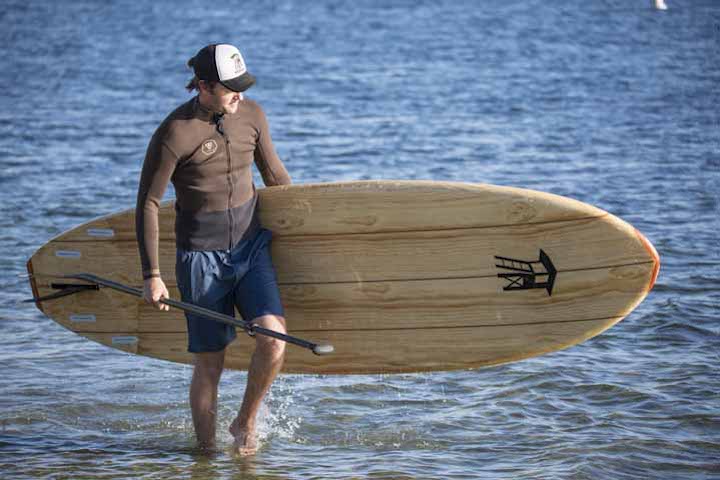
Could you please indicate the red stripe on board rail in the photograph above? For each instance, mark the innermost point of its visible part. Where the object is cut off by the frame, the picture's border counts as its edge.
(655, 257)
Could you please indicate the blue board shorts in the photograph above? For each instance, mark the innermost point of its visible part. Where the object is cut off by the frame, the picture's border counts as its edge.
(221, 280)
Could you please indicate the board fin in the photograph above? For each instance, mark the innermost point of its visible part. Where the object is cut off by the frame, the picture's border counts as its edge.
(65, 290)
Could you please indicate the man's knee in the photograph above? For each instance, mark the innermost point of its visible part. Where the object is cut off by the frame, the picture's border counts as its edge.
(267, 346)
(210, 364)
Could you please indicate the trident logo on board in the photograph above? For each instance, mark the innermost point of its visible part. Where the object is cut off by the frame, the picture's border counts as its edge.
(527, 274)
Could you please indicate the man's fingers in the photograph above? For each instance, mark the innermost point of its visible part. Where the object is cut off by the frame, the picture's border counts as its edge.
(154, 291)
(161, 306)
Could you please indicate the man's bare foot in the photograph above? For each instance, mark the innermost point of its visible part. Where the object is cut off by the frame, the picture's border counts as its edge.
(246, 441)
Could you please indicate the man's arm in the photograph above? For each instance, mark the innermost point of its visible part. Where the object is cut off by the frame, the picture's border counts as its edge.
(271, 167)
(158, 167)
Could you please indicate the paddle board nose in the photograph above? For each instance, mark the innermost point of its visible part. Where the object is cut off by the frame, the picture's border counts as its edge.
(650, 248)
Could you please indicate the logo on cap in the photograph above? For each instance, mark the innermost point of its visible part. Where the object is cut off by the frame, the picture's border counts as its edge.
(209, 147)
(239, 64)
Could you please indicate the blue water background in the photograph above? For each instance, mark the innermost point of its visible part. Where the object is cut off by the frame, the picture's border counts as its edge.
(611, 102)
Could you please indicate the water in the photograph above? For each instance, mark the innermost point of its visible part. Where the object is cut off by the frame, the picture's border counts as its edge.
(609, 102)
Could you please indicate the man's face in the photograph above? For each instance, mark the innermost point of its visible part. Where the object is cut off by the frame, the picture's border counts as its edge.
(221, 99)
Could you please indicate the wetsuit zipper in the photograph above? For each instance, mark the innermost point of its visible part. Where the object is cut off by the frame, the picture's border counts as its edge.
(221, 130)
(230, 192)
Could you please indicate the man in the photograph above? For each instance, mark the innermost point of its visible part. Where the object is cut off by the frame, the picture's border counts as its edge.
(206, 148)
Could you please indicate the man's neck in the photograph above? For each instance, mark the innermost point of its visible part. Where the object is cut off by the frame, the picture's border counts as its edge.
(204, 103)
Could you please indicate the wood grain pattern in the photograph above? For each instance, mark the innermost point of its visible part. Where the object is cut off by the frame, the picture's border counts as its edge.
(457, 253)
(389, 351)
(375, 206)
(398, 276)
(382, 305)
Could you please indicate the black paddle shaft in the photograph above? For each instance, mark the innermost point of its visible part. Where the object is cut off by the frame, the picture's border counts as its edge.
(252, 329)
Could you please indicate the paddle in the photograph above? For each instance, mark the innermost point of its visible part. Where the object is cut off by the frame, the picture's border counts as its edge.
(251, 329)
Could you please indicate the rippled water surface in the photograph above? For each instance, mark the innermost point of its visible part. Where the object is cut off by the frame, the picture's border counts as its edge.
(610, 102)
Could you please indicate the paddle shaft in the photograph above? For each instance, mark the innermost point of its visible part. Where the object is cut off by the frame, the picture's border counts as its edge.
(188, 307)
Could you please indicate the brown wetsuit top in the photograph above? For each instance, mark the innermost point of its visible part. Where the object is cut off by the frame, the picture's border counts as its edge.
(208, 158)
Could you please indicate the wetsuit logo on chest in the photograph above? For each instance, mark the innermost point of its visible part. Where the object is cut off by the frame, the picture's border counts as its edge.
(209, 147)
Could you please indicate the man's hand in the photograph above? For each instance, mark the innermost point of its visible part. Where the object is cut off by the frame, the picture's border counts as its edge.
(153, 290)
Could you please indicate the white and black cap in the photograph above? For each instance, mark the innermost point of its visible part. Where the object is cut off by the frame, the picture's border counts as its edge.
(222, 63)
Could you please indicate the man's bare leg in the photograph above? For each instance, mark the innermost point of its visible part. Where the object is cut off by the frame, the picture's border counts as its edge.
(265, 365)
(203, 395)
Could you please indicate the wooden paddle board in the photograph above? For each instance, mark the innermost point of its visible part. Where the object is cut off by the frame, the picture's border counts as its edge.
(400, 276)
